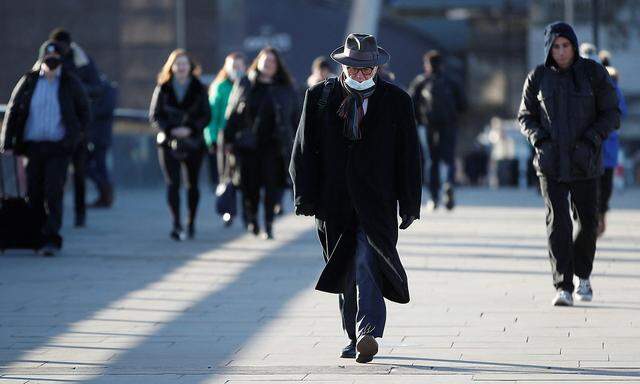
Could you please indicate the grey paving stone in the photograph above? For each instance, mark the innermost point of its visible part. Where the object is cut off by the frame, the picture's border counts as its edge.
(124, 304)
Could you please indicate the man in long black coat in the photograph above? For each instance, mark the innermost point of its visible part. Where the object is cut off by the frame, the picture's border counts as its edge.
(355, 160)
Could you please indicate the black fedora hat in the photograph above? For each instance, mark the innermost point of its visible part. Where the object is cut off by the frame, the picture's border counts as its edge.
(360, 50)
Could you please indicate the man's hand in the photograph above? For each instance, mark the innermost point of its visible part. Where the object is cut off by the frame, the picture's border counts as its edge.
(406, 221)
(305, 210)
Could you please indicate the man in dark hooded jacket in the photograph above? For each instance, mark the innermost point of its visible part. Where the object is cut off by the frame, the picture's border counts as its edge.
(569, 106)
(355, 161)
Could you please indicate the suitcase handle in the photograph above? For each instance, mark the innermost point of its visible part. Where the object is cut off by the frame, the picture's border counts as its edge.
(17, 171)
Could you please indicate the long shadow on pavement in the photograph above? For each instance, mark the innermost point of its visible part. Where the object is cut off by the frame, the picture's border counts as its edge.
(121, 251)
(206, 337)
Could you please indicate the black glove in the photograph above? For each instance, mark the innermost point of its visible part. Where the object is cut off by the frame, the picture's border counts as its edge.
(305, 210)
(406, 221)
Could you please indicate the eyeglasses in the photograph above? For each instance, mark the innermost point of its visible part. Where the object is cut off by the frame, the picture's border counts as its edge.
(366, 71)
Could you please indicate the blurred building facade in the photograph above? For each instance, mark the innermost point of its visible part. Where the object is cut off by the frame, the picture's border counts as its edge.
(128, 39)
(490, 45)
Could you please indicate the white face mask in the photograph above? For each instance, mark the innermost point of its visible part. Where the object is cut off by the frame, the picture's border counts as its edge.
(353, 84)
(235, 75)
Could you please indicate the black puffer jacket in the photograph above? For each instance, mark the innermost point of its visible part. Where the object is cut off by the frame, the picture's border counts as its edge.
(566, 114)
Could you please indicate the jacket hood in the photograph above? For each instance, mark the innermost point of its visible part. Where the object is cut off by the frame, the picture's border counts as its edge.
(553, 31)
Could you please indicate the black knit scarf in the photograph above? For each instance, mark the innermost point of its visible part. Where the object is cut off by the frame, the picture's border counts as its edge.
(352, 111)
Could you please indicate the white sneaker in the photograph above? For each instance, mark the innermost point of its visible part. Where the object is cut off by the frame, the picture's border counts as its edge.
(584, 291)
(563, 299)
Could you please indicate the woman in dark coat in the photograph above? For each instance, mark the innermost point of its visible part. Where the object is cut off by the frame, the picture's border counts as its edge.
(179, 112)
(261, 119)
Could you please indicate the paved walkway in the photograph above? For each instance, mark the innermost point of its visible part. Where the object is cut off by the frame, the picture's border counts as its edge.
(124, 304)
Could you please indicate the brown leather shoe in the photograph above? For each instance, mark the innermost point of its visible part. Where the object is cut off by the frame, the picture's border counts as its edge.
(367, 347)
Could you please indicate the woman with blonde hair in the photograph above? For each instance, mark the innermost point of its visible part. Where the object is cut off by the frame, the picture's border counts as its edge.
(179, 112)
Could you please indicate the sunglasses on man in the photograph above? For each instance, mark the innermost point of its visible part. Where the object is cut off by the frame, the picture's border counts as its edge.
(366, 71)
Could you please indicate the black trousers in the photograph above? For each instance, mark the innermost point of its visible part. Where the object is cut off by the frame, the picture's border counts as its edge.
(442, 142)
(362, 305)
(79, 161)
(260, 169)
(214, 176)
(173, 170)
(97, 169)
(606, 189)
(569, 256)
(46, 175)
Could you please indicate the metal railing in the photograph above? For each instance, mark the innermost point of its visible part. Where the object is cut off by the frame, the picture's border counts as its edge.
(130, 114)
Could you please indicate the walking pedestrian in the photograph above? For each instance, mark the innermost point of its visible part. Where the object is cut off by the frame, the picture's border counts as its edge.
(179, 112)
(261, 119)
(355, 160)
(76, 61)
(100, 139)
(46, 118)
(233, 70)
(569, 106)
(438, 100)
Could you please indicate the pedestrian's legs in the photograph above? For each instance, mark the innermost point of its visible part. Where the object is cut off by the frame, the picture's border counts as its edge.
(212, 157)
(35, 175)
(97, 167)
(349, 307)
(79, 159)
(55, 175)
(584, 196)
(422, 136)
(433, 141)
(171, 170)
(270, 169)
(193, 163)
(448, 152)
(250, 185)
(372, 313)
(559, 232)
(606, 189)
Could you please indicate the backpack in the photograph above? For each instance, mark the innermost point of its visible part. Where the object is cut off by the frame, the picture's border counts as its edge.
(439, 103)
(326, 91)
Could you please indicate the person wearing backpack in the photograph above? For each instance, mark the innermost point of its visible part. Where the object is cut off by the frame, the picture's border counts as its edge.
(438, 101)
(569, 107)
(356, 167)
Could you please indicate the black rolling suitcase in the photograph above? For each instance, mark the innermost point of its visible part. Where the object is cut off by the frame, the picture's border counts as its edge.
(20, 222)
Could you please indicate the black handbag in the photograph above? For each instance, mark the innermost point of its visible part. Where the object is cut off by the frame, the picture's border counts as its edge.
(226, 196)
(226, 201)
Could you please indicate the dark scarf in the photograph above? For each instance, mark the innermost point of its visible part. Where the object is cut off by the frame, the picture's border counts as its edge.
(352, 111)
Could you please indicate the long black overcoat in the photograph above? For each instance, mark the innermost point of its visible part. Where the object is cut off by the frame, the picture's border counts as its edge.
(363, 182)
